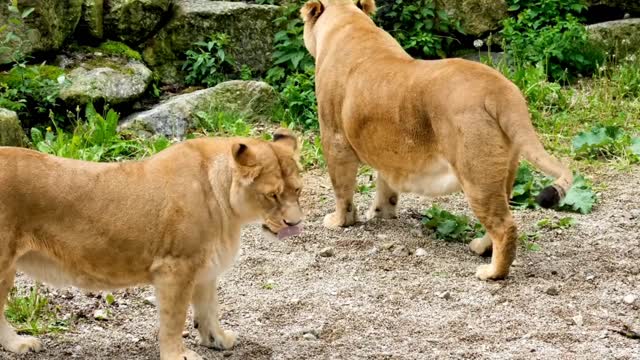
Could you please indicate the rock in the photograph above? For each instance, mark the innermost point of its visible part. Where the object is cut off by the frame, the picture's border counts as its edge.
(185, 334)
(421, 252)
(476, 16)
(227, 353)
(618, 37)
(133, 21)
(309, 336)
(630, 299)
(552, 290)
(113, 80)
(11, 133)
(628, 6)
(401, 251)
(46, 28)
(577, 320)
(255, 100)
(250, 29)
(444, 295)
(327, 252)
(91, 20)
(151, 300)
(101, 315)
(387, 246)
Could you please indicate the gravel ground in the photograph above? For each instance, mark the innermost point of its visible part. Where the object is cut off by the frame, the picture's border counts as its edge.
(375, 298)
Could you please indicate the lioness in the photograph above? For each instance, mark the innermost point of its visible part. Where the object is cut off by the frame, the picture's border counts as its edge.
(427, 127)
(172, 220)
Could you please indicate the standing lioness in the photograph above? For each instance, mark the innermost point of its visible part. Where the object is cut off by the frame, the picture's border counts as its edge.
(172, 220)
(427, 127)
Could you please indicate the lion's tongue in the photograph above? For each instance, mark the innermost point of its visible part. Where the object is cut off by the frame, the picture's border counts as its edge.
(289, 231)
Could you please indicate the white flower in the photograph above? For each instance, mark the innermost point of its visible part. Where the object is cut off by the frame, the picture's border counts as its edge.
(478, 43)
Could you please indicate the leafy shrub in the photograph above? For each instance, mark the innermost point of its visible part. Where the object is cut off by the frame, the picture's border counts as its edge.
(420, 27)
(34, 87)
(10, 42)
(222, 123)
(606, 142)
(451, 227)
(550, 32)
(95, 139)
(209, 63)
(298, 93)
(528, 184)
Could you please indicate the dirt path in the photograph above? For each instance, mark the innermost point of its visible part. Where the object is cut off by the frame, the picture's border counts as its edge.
(371, 301)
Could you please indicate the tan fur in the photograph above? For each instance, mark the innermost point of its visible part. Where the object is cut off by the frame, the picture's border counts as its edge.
(428, 127)
(172, 220)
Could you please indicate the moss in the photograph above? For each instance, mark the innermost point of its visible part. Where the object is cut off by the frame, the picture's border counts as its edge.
(112, 63)
(17, 75)
(118, 48)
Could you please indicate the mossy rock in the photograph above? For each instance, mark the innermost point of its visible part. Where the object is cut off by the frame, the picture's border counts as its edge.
(133, 21)
(619, 37)
(46, 28)
(112, 80)
(254, 100)
(476, 16)
(250, 29)
(91, 22)
(11, 133)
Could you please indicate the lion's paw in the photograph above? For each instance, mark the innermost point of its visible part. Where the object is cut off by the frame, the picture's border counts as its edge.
(380, 212)
(22, 344)
(488, 272)
(481, 246)
(226, 340)
(334, 221)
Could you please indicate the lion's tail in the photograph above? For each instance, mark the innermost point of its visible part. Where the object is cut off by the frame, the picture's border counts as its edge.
(516, 123)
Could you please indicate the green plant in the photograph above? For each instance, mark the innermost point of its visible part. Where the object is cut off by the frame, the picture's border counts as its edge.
(298, 94)
(94, 139)
(10, 42)
(451, 227)
(420, 27)
(528, 184)
(34, 87)
(221, 122)
(111, 47)
(209, 63)
(550, 32)
(527, 240)
(311, 154)
(606, 142)
(31, 313)
(552, 224)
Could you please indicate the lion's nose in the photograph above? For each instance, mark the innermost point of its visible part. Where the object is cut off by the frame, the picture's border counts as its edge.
(292, 223)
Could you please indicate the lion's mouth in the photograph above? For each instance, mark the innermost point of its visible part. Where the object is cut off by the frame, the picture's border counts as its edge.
(285, 232)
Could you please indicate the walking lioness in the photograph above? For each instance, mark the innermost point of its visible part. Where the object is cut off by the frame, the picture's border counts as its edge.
(172, 220)
(427, 127)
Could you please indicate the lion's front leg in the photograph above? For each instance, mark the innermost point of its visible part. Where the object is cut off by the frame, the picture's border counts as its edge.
(173, 282)
(205, 309)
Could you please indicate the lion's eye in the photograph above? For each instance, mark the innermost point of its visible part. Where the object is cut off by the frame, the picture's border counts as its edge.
(272, 196)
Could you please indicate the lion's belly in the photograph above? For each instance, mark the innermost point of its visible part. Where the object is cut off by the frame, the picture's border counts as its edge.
(432, 179)
(50, 271)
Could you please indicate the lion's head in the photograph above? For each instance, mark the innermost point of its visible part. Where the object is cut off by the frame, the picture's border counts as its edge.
(267, 184)
(314, 9)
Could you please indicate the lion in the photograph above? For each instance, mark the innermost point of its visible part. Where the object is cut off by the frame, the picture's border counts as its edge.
(172, 220)
(431, 127)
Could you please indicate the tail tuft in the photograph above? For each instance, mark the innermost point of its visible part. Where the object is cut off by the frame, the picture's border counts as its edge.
(549, 197)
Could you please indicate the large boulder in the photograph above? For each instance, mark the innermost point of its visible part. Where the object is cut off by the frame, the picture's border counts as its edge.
(109, 79)
(619, 37)
(46, 28)
(250, 29)
(254, 100)
(91, 22)
(630, 6)
(11, 133)
(133, 21)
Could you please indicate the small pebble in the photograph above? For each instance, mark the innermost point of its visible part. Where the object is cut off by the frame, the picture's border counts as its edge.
(387, 245)
(577, 320)
(401, 251)
(416, 232)
(382, 236)
(327, 252)
(309, 336)
(100, 315)
(150, 300)
(373, 251)
(590, 277)
(444, 295)
(552, 290)
(630, 299)
(421, 252)
(185, 334)
(227, 353)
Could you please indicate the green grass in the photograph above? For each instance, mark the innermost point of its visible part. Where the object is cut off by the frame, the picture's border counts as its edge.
(116, 48)
(222, 123)
(31, 313)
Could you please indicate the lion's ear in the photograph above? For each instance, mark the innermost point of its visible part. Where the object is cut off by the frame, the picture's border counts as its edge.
(368, 6)
(245, 161)
(286, 137)
(311, 11)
